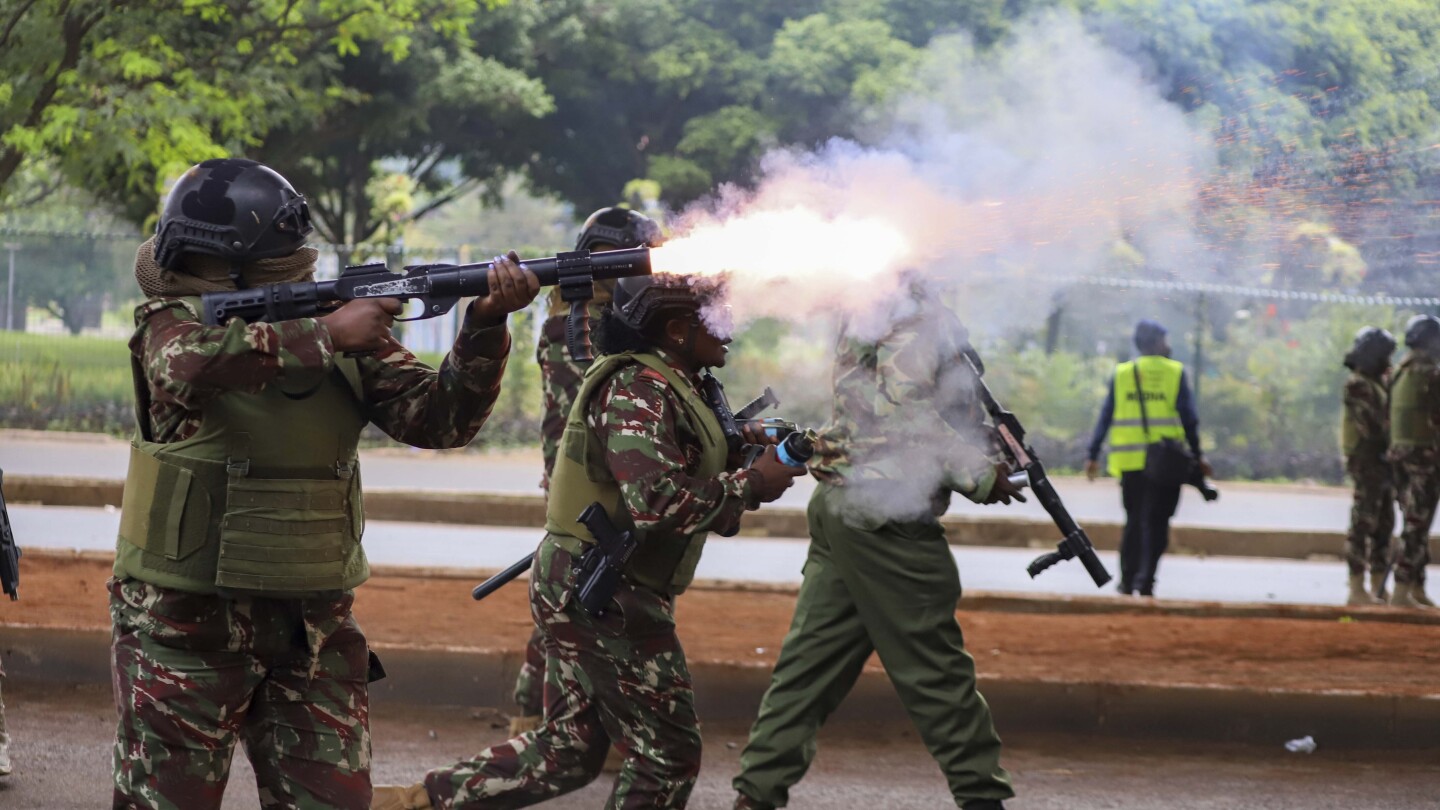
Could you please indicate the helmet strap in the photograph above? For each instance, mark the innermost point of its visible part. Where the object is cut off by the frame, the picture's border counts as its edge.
(235, 277)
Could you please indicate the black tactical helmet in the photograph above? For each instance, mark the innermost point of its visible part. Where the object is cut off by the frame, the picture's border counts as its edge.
(1372, 350)
(235, 209)
(1423, 332)
(641, 301)
(620, 227)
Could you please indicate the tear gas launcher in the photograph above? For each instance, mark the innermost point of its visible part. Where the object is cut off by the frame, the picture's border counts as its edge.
(1012, 436)
(604, 561)
(438, 287)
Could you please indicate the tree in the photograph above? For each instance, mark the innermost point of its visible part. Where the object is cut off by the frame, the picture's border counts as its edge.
(121, 96)
(70, 260)
(438, 124)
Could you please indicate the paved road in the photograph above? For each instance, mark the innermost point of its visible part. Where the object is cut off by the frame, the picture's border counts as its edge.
(1241, 505)
(62, 753)
(1226, 579)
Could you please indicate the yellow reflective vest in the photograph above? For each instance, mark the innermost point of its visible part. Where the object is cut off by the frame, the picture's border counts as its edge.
(1159, 379)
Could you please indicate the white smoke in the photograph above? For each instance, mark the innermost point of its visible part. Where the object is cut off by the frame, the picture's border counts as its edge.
(1038, 160)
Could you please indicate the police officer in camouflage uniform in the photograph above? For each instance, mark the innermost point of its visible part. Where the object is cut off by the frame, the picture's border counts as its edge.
(1415, 453)
(239, 544)
(1365, 439)
(641, 441)
(907, 430)
(560, 374)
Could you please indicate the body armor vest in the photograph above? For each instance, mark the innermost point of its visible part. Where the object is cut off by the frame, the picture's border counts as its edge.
(1350, 442)
(1411, 405)
(663, 562)
(264, 500)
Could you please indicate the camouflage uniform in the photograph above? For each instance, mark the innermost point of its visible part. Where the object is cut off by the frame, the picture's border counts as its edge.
(195, 672)
(622, 678)
(560, 377)
(1417, 479)
(1372, 516)
(906, 431)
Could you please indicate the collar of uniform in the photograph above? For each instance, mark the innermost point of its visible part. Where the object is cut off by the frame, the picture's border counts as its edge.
(670, 361)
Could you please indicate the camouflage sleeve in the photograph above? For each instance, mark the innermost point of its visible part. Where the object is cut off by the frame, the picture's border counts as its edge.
(430, 408)
(1367, 410)
(934, 403)
(634, 417)
(188, 363)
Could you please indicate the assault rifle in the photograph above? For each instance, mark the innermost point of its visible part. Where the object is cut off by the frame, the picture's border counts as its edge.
(438, 287)
(796, 447)
(9, 552)
(1012, 436)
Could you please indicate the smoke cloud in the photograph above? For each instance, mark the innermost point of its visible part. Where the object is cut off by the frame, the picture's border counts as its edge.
(1037, 160)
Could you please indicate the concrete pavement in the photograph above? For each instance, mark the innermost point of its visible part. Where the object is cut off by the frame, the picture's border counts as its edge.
(62, 752)
(1241, 506)
(765, 560)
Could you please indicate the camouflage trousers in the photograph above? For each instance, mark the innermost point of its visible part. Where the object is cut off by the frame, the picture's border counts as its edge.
(559, 381)
(620, 678)
(1418, 488)
(194, 674)
(1372, 516)
(530, 683)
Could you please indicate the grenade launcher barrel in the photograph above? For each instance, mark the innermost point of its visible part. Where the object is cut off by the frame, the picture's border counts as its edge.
(438, 287)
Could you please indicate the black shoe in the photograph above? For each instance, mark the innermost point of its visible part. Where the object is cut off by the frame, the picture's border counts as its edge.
(1124, 590)
(983, 804)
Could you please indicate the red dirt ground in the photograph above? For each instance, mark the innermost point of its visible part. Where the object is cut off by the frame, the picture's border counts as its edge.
(718, 625)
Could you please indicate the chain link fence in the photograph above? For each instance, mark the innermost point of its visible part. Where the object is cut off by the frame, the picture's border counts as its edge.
(1265, 363)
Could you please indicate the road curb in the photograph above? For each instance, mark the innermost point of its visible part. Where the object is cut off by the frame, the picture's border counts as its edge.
(490, 509)
(977, 601)
(730, 692)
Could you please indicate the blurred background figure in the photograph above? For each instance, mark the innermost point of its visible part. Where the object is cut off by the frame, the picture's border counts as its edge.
(1414, 449)
(1365, 439)
(1149, 401)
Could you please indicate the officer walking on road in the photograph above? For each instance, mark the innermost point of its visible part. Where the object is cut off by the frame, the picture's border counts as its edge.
(1365, 439)
(1167, 412)
(906, 431)
(240, 530)
(642, 442)
(1415, 453)
(567, 330)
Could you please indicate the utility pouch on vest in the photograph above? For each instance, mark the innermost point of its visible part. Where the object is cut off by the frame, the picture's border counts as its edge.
(284, 535)
(1168, 462)
(164, 510)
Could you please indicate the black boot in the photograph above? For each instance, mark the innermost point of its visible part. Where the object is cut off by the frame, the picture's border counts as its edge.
(983, 804)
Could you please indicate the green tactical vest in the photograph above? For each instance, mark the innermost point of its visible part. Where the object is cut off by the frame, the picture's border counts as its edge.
(663, 562)
(1160, 377)
(264, 500)
(1349, 432)
(1411, 404)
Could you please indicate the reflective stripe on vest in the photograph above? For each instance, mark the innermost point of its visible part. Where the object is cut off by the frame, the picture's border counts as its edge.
(1413, 403)
(665, 563)
(1160, 377)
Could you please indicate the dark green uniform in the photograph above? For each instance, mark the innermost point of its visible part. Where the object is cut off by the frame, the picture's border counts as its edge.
(880, 576)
